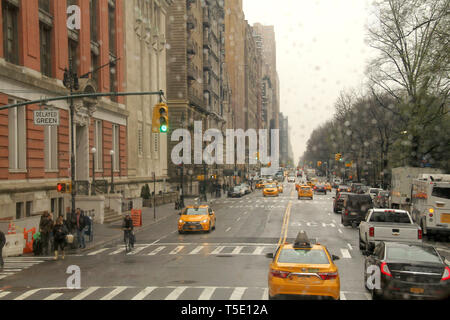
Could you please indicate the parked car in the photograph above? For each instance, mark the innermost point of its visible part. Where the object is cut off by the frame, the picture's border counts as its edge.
(408, 271)
(355, 209)
(382, 199)
(387, 225)
(320, 188)
(236, 192)
(338, 203)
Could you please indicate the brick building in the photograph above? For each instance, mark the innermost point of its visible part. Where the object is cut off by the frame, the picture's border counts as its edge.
(36, 49)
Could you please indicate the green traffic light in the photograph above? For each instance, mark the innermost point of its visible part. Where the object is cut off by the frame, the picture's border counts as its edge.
(163, 128)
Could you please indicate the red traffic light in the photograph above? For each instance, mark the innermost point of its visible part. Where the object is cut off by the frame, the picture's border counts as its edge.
(60, 187)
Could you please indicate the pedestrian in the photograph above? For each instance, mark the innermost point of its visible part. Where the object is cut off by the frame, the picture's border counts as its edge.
(127, 227)
(59, 237)
(80, 224)
(45, 227)
(2, 244)
(50, 238)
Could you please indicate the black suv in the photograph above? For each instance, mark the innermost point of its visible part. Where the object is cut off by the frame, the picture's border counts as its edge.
(355, 209)
(339, 199)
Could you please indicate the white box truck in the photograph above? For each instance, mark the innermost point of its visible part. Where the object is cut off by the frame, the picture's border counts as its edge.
(401, 185)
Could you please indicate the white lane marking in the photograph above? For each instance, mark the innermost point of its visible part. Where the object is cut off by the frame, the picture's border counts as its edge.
(175, 293)
(346, 254)
(53, 296)
(341, 225)
(265, 295)
(237, 250)
(97, 252)
(85, 293)
(238, 219)
(343, 297)
(196, 250)
(238, 293)
(122, 249)
(176, 250)
(137, 250)
(207, 293)
(328, 224)
(114, 293)
(349, 246)
(218, 250)
(27, 294)
(141, 295)
(367, 296)
(228, 229)
(340, 231)
(258, 250)
(156, 250)
(4, 294)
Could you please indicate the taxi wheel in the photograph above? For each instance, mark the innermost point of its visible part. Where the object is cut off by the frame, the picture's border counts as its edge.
(209, 229)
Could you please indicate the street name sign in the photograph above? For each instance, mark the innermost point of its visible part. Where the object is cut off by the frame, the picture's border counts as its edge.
(46, 117)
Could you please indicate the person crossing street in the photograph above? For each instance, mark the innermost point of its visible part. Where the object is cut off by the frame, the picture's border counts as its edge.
(45, 227)
(59, 237)
(2, 244)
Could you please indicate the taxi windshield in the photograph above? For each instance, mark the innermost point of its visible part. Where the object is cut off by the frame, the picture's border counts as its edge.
(303, 256)
(196, 212)
(306, 188)
(271, 186)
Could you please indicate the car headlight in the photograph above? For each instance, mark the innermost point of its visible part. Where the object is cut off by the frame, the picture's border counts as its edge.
(180, 221)
(205, 221)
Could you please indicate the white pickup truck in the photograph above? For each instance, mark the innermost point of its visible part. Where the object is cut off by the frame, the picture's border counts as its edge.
(387, 225)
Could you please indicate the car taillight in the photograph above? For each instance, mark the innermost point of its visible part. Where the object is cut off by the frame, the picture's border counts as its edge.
(419, 234)
(280, 274)
(371, 232)
(446, 275)
(328, 276)
(385, 270)
(346, 212)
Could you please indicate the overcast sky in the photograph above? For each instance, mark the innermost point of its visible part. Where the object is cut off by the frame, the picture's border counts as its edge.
(320, 51)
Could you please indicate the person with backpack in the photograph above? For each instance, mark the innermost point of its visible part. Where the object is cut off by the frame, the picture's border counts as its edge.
(59, 237)
(2, 244)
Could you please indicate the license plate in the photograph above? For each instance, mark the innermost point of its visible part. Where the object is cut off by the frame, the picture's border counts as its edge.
(353, 214)
(416, 290)
(445, 217)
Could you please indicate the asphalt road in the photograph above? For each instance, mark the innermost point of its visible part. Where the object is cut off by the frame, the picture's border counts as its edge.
(227, 264)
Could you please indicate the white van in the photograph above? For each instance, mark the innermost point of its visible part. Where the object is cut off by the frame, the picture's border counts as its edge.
(430, 203)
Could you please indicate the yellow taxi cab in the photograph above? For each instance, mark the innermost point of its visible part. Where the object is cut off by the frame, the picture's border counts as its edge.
(311, 184)
(260, 184)
(328, 186)
(280, 187)
(303, 269)
(271, 189)
(197, 218)
(305, 192)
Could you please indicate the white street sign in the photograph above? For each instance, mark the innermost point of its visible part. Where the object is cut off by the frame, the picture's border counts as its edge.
(46, 117)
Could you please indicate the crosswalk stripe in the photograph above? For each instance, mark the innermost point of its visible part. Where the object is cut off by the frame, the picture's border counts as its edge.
(258, 250)
(54, 296)
(156, 250)
(141, 295)
(85, 293)
(97, 252)
(265, 295)
(237, 250)
(196, 250)
(114, 293)
(176, 250)
(346, 253)
(137, 250)
(122, 249)
(218, 250)
(175, 293)
(27, 294)
(4, 294)
(238, 293)
(343, 297)
(207, 294)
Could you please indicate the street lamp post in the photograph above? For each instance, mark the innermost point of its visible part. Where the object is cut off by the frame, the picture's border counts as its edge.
(94, 151)
(112, 170)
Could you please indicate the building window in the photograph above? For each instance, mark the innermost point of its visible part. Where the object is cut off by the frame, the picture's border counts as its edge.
(44, 5)
(93, 9)
(19, 210)
(45, 37)
(98, 144)
(10, 33)
(140, 136)
(112, 27)
(94, 66)
(51, 147)
(28, 208)
(73, 55)
(17, 137)
(115, 144)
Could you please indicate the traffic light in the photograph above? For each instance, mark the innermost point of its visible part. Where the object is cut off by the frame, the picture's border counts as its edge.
(160, 121)
(319, 163)
(65, 187)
